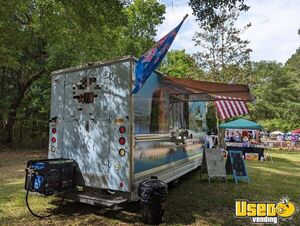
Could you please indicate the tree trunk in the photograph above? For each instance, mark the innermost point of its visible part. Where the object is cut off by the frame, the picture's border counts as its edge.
(11, 119)
(14, 107)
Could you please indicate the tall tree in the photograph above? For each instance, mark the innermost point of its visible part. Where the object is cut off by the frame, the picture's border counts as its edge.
(23, 52)
(277, 93)
(179, 64)
(223, 54)
(207, 12)
(222, 51)
(38, 36)
(140, 30)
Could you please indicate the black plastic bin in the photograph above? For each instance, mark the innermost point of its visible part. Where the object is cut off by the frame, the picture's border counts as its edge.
(153, 194)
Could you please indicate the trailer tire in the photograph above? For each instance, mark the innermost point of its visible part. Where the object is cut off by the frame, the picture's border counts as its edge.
(174, 183)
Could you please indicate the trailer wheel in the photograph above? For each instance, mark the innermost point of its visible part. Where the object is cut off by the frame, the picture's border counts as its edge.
(174, 183)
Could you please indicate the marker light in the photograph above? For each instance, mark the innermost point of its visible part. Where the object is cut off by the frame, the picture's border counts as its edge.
(53, 149)
(122, 184)
(53, 130)
(53, 139)
(117, 166)
(122, 152)
(122, 140)
(122, 129)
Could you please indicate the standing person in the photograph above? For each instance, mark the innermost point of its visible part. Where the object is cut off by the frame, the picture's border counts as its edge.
(245, 141)
(237, 137)
(293, 141)
(257, 136)
(227, 138)
(231, 137)
(209, 140)
(245, 133)
(280, 140)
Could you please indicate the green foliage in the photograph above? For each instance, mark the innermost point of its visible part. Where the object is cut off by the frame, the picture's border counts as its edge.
(31, 127)
(143, 17)
(84, 31)
(222, 52)
(179, 64)
(276, 124)
(208, 13)
(225, 57)
(40, 36)
(277, 93)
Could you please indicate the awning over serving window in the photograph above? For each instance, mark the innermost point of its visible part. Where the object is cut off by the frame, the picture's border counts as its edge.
(201, 90)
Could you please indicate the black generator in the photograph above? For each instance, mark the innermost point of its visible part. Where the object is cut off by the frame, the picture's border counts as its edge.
(50, 176)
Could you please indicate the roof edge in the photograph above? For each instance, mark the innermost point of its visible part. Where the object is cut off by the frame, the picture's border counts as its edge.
(89, 65)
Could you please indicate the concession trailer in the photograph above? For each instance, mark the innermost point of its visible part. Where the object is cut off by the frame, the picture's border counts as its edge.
(119, 139)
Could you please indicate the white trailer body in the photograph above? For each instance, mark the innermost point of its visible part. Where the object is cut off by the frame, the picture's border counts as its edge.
(118, 138)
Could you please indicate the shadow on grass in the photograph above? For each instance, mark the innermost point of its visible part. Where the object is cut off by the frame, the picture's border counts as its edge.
(280, 165)
(282, 160)
(130, 213)
(194, 201)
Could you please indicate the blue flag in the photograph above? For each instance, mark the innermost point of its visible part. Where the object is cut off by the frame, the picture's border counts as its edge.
(150, 60)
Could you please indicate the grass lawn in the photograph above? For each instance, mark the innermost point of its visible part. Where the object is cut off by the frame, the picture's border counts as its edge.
(194, 201)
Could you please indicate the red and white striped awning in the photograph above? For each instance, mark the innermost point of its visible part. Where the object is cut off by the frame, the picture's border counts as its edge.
(229, 107)
(229, 99)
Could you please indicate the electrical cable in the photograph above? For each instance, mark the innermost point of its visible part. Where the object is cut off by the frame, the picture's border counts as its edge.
(40, 216)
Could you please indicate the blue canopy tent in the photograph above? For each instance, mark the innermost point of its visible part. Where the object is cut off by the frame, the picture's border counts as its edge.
(247, 125)
(241, 124)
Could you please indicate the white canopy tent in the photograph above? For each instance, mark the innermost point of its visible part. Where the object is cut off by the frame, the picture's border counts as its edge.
(275, 133)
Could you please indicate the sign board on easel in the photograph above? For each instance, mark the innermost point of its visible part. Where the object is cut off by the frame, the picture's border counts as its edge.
(236, 166)
(213, 164)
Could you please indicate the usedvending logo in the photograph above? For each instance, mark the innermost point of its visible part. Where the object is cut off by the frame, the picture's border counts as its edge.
(265, 212)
